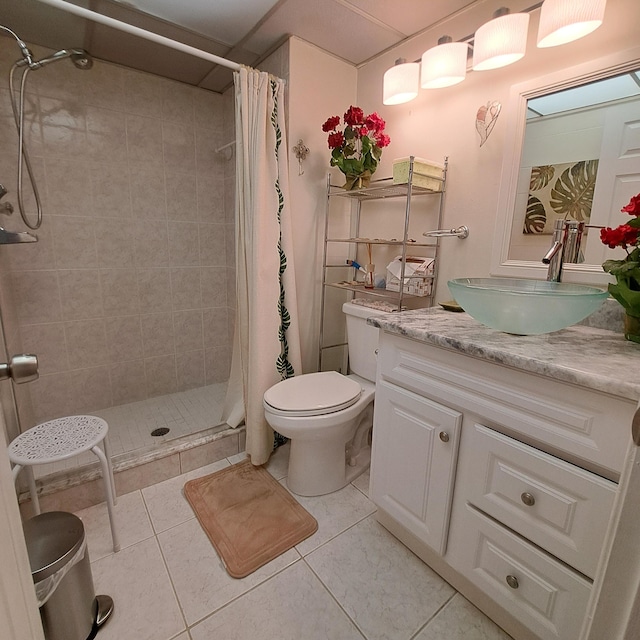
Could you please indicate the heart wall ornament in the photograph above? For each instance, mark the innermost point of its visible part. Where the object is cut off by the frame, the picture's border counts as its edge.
(486, 119)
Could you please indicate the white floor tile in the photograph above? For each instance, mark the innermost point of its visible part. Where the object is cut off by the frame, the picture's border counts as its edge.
(132, 524)
(145, 606)
(166, 502)
(362, 482)
(278, 465)
(291, 606)
(389, 592)
(460, 620)
(199, 577)
(335, 512)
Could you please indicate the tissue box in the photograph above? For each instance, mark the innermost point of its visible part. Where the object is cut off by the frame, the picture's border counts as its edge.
(425, 173)
(418, 275)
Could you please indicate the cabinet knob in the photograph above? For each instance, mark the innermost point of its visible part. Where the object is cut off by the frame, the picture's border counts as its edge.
(528, 499)
(444, 436)
(512, 581)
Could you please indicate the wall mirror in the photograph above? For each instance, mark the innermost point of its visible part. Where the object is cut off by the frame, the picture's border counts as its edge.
(572, 151)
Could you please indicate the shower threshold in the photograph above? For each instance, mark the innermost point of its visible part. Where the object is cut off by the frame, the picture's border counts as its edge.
(149, 430)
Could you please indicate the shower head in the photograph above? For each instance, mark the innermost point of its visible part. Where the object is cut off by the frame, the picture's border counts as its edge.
(79, 57)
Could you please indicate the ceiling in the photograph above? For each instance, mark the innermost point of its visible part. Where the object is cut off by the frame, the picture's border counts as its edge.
(244, 31)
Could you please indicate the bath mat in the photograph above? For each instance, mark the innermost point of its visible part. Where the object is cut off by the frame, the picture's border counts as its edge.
(249, 517)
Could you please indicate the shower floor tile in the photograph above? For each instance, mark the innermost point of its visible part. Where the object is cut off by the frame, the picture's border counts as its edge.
(130, 425)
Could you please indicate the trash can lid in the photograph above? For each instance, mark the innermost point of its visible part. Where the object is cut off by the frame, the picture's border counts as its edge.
(52, 540)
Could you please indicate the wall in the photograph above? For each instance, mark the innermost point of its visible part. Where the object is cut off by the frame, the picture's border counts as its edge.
(442, 122)
(319, 85)
(125, 294)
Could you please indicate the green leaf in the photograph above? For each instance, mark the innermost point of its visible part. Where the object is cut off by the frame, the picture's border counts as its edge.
(572, 194)
(536, 217)
(628, 298)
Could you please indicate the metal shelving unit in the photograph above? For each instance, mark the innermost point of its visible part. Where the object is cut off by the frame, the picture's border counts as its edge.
(379, 190)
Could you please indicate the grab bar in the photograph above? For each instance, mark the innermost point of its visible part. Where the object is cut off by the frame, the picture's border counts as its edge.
(460, 232)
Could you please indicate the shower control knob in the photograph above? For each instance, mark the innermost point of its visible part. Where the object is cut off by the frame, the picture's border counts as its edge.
(21, 368)
(444, 436)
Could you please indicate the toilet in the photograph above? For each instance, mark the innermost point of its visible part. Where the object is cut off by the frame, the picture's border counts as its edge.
(328, 416)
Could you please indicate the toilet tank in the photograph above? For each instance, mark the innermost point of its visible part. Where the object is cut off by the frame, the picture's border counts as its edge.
(362, 339)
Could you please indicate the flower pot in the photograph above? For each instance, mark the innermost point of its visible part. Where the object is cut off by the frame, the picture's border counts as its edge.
(354, 182)
(632, 328)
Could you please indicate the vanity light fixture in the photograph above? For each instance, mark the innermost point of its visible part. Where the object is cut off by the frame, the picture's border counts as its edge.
(400, 82)
(497, 43)
(563, 21)
(500, 41)
(445, 64)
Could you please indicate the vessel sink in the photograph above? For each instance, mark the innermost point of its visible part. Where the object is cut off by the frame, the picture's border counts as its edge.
(526, 307)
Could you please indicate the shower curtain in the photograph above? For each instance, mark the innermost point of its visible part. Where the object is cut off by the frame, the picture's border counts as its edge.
(266, 343)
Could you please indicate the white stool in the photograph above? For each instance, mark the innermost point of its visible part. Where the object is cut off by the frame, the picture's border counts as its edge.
(60, 439)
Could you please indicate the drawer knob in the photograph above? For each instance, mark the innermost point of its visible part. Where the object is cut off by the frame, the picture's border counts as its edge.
(512, 581)
(528, 499)
(444, 436)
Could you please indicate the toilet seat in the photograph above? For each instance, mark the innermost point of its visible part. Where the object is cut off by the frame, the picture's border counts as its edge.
(312, 394)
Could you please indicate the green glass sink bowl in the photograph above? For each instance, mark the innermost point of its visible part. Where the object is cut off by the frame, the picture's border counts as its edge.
(526, 307)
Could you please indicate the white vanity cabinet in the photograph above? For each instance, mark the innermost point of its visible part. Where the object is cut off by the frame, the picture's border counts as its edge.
(416, 448)
(502, 480)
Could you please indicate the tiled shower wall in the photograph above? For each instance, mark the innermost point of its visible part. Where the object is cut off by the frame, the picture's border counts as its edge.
(126, 294)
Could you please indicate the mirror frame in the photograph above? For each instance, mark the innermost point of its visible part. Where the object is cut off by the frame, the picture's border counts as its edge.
(591, 71)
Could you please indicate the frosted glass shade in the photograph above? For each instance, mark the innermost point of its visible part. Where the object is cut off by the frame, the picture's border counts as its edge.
(563, 21)
(444, 65)
(500, 41)
(400, 83)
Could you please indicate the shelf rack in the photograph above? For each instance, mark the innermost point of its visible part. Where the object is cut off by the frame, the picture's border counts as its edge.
(379, 190)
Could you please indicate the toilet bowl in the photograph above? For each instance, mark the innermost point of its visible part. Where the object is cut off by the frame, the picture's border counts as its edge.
(328, 416)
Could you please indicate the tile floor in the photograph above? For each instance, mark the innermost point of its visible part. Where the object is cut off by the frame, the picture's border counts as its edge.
(350, 580)
(131, 424)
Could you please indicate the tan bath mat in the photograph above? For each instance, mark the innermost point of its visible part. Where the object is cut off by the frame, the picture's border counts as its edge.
(249, 517)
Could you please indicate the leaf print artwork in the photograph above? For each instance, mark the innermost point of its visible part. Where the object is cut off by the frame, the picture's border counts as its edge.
(559, 191)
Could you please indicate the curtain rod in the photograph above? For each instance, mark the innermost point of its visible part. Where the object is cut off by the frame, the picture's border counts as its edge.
(142, 33)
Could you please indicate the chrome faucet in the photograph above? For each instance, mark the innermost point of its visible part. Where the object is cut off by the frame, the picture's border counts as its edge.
(565, 247)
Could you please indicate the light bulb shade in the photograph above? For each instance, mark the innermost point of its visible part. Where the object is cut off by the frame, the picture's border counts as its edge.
(500, 41)
(563, 21)
(444, 65)
(400, 83)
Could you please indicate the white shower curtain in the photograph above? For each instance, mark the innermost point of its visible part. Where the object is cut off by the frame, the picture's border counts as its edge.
(266, 343)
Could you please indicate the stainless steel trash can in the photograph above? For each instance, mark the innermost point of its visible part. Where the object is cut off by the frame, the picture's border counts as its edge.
(54, 541)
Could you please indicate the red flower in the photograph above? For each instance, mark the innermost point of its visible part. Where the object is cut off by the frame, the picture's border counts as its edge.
(336, 140)
(331, 123)
(354, 116)
(633, 208)
(621, 236)
(375, 123)
(363, 131)
(382, 140)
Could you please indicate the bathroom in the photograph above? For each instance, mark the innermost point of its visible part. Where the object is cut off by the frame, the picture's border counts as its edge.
(435, 125)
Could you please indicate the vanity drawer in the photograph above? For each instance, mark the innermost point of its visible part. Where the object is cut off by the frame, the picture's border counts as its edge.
(583, 426)
(545, 595)
(561, 507)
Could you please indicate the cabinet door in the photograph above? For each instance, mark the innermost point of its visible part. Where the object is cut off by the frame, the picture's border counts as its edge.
(415, 448)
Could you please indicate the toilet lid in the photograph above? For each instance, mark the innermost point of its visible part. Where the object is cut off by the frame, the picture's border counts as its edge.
(313, 393)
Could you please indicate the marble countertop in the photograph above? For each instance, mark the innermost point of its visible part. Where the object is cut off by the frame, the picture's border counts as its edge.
(589, 357)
